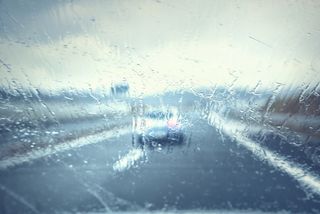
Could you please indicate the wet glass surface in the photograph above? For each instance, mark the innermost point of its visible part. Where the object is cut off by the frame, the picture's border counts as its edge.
(159, 106)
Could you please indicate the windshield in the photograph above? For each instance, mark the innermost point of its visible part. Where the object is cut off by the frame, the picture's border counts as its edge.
(159, 106)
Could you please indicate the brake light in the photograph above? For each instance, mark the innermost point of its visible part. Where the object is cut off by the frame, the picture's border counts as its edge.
(173, 123)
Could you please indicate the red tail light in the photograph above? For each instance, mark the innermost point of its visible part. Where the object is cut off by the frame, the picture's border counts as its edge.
(173, 123)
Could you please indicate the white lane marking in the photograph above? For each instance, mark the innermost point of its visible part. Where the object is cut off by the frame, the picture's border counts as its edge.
(127, 161)
(235, 129)
(76, 143)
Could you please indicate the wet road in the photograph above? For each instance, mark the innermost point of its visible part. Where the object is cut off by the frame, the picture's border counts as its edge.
(211, 173)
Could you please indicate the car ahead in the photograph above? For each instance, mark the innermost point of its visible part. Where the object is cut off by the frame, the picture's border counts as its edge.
(157, 129)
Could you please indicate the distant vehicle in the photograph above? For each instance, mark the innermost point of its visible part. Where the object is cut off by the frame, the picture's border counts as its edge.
(120, 89)
(157, 129)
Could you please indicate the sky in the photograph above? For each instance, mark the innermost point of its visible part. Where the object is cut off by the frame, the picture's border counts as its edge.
(159, 45)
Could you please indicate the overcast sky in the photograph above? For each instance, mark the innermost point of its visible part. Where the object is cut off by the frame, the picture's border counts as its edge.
(167, 44)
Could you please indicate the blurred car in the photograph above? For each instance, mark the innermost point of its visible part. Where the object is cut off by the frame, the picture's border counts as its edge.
(157, 129)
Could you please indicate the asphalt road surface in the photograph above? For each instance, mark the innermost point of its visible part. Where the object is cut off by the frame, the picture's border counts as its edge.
(210, 172)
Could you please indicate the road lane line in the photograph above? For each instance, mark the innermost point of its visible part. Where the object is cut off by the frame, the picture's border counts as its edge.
(235, 130)
(71, 144)
(127, 161)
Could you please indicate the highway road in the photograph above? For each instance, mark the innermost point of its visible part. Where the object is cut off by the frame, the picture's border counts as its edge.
(211, 172)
